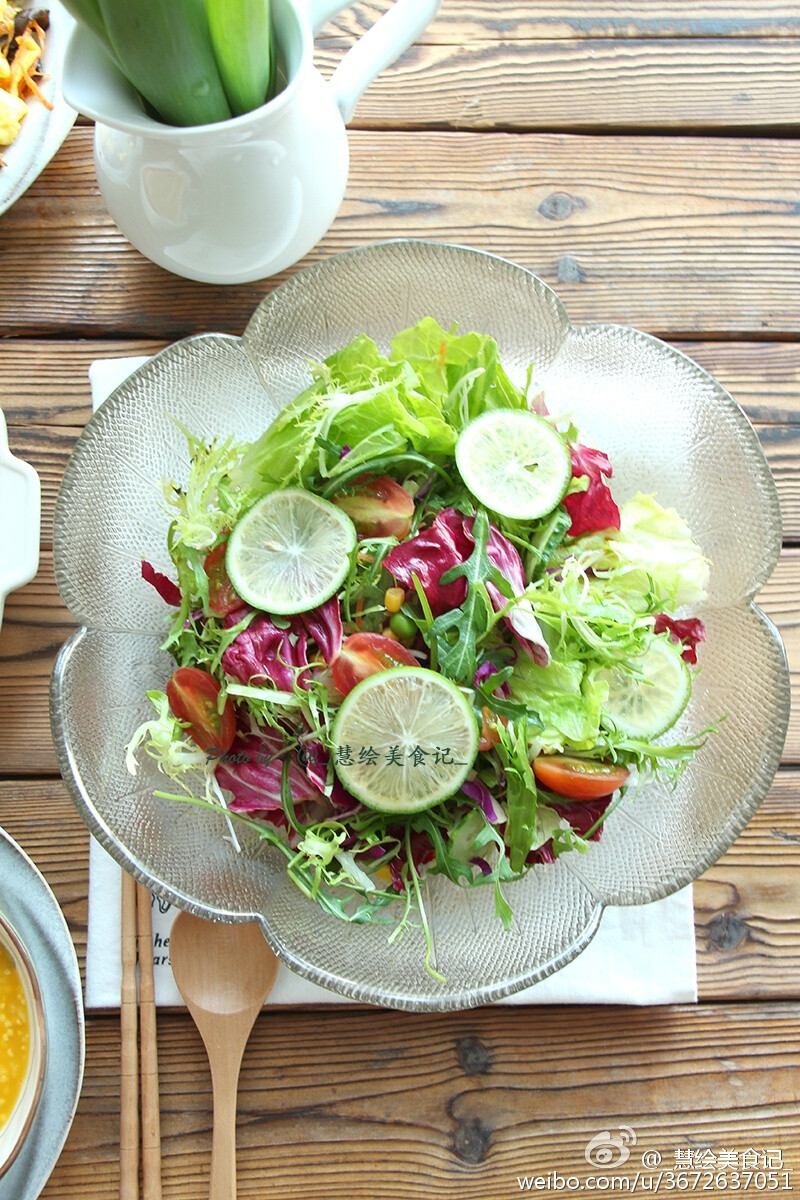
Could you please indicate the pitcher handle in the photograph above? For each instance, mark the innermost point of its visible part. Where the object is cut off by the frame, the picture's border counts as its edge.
(385, 41)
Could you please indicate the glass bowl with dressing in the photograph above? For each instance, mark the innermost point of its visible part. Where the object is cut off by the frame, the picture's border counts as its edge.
(23, 1051)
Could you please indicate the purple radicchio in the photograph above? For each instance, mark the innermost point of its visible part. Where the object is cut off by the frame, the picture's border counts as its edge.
(595, 508)
(447, 543)
(264, 651)
(689, 631)
(169, 592)
(479, 792)
(253, 774)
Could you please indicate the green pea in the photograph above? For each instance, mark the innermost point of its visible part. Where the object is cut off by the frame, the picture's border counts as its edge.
(403, 627)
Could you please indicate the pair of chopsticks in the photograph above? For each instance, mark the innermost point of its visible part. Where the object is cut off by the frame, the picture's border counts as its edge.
(139, 1055)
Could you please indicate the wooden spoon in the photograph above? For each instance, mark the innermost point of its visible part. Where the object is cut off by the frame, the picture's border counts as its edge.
(224, 973)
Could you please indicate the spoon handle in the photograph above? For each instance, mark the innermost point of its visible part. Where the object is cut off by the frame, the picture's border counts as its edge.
(225, 1082)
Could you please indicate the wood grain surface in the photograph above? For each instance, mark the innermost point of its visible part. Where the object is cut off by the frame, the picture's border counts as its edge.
(369, 1107)
(583, 83)
(680, 236)
(460, 21)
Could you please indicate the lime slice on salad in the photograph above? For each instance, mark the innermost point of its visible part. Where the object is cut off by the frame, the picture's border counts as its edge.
(290, 552)
(515, 463)
(648, 704)
(404, 739)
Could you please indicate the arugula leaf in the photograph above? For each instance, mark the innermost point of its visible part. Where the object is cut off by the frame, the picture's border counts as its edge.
(457, 657)
(521, 793)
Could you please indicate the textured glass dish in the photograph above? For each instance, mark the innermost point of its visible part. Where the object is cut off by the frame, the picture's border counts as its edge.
(667, 427)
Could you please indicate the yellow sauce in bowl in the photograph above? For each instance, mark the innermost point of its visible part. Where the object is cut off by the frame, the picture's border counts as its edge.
(15, 1035)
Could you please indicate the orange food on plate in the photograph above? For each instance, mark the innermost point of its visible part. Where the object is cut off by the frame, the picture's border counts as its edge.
(14, 1036)
(21, 47)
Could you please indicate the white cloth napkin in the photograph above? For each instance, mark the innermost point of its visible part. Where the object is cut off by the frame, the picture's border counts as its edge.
(640, 955)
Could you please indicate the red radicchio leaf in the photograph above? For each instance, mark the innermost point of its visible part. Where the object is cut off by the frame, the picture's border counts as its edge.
(478, 791)
(542, 854)
(250, 771)
(422, 852)
(690, 632)
(581, 814)
(263, 651)
(325, 626)
(447, 543)
(595, 508)
(314, 758)
(168, 591)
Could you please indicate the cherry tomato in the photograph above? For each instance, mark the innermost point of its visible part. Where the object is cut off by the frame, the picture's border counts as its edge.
(193, 696)
(324, 675)
(490, 734)
(378, 507)
(364, 654)
(578, 778)
(222, 595)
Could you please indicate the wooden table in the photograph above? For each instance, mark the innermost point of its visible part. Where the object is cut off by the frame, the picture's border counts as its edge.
(639, 155)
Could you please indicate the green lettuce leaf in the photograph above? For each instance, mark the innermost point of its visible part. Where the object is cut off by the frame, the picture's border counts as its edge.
(460, 373)
(656, 548)
(567, 697)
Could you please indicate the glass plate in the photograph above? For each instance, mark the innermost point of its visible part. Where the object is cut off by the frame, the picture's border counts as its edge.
(668, 428)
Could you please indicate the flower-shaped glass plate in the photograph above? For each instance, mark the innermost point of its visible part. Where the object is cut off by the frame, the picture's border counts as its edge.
(667, 427)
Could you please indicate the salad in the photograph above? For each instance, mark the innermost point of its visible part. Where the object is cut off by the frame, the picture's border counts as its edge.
(415, 634)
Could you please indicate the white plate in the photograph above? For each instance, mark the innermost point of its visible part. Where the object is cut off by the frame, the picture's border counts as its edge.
(32, 909)
(43, 129)
(20, 505)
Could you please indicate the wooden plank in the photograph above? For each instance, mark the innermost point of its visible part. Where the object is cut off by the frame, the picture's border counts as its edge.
(746, 906)
(385, 1107)
(41, 817)
(764, 377)
(677, 237)
(460, 21)
(582, 84)
(747, 916)
(45, 382)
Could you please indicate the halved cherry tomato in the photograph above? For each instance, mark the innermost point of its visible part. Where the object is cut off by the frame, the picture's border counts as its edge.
(578, 778)
(222, 595)
(378, 507)
(193, 696)
(490, 734)
(364, 654)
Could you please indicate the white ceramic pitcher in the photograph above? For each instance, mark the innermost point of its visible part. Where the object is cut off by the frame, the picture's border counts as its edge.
(247, 197)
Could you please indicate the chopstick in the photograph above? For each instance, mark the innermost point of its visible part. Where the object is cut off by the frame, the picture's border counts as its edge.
(129, 1066)
(138, 1062)
(151, 1119)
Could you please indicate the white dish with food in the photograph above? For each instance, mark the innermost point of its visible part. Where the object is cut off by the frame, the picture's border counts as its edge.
(22, 1043)
(32, 910)
(42, 129)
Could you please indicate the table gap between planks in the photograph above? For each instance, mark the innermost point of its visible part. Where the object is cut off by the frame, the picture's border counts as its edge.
(640, 157)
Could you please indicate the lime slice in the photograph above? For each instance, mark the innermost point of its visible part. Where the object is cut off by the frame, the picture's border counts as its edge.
(647, 705)
(515, 463)
(290, 552)
(404, 739)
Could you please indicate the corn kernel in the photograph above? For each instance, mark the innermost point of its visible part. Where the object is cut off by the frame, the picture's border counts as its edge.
(394, 599)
